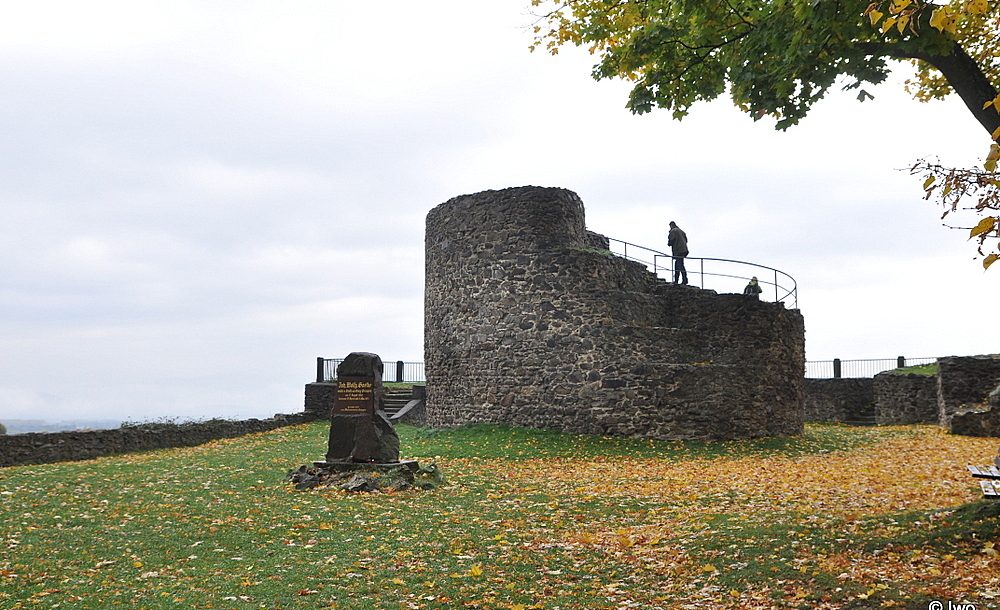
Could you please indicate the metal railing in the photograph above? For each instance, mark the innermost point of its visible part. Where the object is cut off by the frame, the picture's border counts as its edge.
(398, 371)
(837, 368)
(724, 275)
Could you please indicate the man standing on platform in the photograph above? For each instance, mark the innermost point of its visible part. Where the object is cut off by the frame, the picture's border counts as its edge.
(678, 242)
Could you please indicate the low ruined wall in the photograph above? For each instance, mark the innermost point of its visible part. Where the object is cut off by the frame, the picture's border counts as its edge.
(905, 399)
(837, 400)
(965, 380)
(981, 420)
(44, 448)
(531, 321)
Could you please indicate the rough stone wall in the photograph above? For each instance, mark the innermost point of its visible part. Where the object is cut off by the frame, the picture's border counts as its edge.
(964, 380)
(319, 399)
(838, 400)
(530, 321)
(45, 448)
(979, 420)
(905, 399)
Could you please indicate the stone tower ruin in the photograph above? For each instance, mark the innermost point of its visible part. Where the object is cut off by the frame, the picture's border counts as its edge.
(530, 320)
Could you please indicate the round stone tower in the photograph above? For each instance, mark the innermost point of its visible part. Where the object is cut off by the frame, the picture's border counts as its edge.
(531, 320)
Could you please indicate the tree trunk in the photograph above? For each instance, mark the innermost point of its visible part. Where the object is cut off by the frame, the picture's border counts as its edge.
(969, 82)
(962, 73)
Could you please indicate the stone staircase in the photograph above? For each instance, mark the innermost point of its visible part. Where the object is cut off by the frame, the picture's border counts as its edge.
(395, 399)
(860, 420)
(863, 416)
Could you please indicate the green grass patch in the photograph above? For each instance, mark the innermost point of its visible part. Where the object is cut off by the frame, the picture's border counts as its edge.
(216, 526)
(918, 369)
(507, 442)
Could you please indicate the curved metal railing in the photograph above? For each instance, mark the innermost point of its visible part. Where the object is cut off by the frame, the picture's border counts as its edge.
(785, 288)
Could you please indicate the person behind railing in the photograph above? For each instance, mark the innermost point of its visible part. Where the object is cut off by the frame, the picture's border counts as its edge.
(753, 289)
(678, 242)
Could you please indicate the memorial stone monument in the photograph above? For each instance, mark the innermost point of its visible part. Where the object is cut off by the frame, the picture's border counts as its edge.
(363, 448)
(360, 432)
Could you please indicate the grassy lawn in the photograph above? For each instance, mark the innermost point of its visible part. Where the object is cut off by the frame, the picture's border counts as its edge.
(837, 518)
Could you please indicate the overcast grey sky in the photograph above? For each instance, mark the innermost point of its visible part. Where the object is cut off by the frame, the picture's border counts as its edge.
(200, 198)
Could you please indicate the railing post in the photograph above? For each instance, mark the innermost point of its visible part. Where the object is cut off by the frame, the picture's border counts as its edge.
(775, 285)
(836, 368)
(320, 370)
(399, 370)
(702, 262)
(900, 362)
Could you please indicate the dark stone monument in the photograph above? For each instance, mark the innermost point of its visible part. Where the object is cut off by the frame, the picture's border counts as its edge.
(363, 450)
(360, 432)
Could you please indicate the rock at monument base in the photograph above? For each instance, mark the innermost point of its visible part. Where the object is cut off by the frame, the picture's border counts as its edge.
(353, 477)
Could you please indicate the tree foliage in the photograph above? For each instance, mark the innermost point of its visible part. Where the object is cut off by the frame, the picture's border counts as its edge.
(779, 57)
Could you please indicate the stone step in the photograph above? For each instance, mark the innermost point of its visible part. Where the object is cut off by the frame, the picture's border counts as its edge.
(860, 421)
(394, 400)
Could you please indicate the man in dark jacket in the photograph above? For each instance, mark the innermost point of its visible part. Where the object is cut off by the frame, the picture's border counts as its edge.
(678, 242)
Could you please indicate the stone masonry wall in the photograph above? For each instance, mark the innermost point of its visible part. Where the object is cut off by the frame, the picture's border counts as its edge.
(530, 321)
(905, 399)
(979, 420)
(45, 448)
(965, 380)
(319, 399)
(838, 400)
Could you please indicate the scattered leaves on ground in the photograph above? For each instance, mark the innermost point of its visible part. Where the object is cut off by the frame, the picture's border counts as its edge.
(837, 518)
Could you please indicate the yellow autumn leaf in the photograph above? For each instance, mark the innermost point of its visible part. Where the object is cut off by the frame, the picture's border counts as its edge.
(875, 16)
(992, 157)
(929, 181)
(989, 260)
(985, 226)
(989, 547)
(942, 20)
(709, 568)
(996, 133)
(902, 23)
(476, 571)
(899, 5)
(936, 18)
(398, 581)
(977, 7)
(887, 24)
